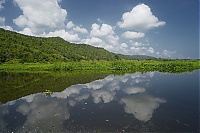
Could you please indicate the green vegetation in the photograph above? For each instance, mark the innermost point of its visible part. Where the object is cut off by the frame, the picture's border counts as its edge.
(54, 64)
(26, 53)
(24, 79)
(18, 48)
(172, 66)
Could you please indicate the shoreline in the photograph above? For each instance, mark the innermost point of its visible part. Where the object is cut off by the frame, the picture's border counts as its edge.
(102, 65)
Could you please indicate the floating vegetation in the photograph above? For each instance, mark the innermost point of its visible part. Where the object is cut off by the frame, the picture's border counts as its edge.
(48, 92)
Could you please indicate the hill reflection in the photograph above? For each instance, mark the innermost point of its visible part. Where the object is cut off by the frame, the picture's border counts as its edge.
(40, 112)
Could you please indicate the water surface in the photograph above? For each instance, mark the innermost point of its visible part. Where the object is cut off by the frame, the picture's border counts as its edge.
(140, 102)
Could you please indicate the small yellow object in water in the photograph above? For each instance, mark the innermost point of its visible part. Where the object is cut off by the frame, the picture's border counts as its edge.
(48, 92)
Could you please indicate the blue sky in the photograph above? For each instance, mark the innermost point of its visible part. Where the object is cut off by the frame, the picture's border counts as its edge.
(164, 28)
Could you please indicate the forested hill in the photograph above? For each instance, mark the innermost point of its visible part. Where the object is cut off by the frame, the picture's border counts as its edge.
(15, 47)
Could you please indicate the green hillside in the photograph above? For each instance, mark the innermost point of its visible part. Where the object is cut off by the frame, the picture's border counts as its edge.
(135, 57)
(15, 47)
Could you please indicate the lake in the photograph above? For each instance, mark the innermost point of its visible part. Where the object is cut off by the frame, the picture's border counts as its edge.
(99, 102)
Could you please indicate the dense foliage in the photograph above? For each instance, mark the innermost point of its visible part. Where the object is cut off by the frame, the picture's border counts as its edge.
(18, 48)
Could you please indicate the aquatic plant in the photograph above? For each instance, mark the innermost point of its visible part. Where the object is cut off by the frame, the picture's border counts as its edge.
(48, 92)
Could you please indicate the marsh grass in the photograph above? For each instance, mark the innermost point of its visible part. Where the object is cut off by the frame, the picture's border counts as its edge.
(172, 66)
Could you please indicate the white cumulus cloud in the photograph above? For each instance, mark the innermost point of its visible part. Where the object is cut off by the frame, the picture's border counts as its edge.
(27, 31)
(65, 35)
(80, 29)
(113, 40)
(101, 30)
(41, 16)
(150, 50)
(102, 36)
(93, 41)
(124, 45)
(70, 25)
(140, 18)
(132, 35)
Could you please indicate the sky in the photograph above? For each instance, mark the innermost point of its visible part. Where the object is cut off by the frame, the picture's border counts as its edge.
(159, 28)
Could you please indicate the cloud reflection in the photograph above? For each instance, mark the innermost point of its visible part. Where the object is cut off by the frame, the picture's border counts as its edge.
(134, 90)
(74, 89)
(106, 96)
(41, 114)
(44, 114)
(141, 106)
(49, 112)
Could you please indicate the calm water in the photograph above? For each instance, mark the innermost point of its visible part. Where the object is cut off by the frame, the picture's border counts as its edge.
(153, 102)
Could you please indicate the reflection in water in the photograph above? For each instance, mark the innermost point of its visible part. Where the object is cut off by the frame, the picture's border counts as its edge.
(39, 112)
(141, 106)
(133, 90)
(74, 89)
(17, 85)
(47, 113)
(43, 114)
(106, 96)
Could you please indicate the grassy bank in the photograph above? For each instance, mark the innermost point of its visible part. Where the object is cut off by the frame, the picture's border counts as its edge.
(122, 65)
